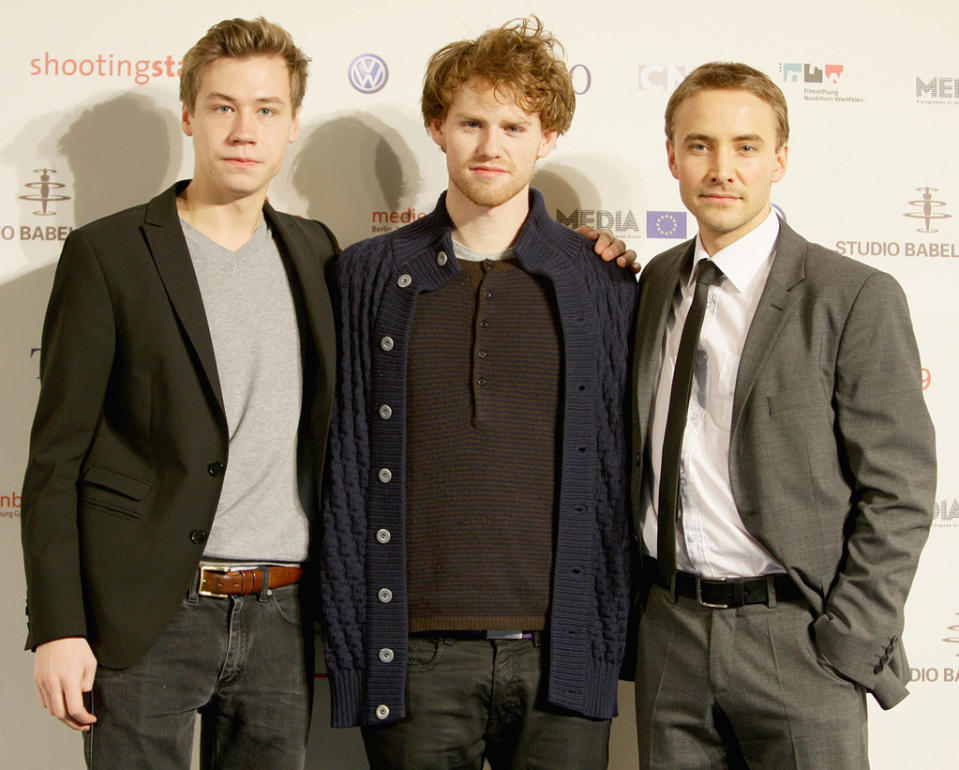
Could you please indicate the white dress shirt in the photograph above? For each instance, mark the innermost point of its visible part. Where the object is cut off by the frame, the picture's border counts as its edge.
(710, 537)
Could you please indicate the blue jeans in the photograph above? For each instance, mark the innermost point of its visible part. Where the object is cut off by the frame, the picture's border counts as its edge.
(470, 700)
(244, 663)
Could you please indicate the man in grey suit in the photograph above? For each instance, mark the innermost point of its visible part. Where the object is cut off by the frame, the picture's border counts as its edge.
(785, 463)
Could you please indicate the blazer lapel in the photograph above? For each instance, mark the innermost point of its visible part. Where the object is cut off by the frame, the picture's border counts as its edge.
(655, 304)
(310, 274)
(164, 236)
(789, 269)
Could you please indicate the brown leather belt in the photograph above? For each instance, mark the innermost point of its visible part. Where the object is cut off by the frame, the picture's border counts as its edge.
(220, 582)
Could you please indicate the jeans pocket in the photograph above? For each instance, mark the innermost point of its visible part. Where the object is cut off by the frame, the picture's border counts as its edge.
(286, 603)
(424, 651)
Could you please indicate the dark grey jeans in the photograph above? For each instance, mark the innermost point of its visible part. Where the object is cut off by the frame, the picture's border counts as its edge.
(243, 662)
(473, 699)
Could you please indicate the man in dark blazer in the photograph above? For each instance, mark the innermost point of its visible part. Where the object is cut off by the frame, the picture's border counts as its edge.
(186, 372)
(785, 463)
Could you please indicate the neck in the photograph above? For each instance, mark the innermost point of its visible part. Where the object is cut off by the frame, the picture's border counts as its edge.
(229, 222)
(486, 229)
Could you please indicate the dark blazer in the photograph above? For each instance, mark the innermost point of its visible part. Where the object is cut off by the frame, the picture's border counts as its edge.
(832, 452)
(130, 438)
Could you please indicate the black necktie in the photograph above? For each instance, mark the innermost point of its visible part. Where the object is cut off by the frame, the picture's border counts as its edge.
(707, 275)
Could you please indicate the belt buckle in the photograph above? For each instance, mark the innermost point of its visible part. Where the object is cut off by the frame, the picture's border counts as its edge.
(699, 594)
(210, 568)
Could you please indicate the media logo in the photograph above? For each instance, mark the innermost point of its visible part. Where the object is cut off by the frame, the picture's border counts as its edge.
(582, 78)
(140, 71)
(666, 224)
(368, 73)
(621, 221)
(387, 221)
(10, 505)
(927, 211)
(938, 90)
(45, 194)
(945, 513)
(821, 82)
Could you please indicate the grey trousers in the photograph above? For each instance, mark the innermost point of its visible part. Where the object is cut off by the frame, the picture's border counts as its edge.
(473, 699)
(241, 662)
(739, 688)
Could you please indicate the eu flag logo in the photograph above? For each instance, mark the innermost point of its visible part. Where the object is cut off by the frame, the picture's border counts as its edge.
(665, 224)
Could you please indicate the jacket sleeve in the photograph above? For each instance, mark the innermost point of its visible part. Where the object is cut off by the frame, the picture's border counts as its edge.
(343, 508)
(888, 445)
(76, 357)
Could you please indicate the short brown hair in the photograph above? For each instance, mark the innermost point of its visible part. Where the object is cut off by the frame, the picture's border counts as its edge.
(731, 76)
(239, 39)
(521, 56)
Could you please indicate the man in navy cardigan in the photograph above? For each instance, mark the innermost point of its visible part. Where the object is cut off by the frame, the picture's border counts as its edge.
(475, 551)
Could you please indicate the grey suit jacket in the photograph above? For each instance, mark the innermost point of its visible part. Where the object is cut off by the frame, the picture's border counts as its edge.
(130, 438)
(832, 452)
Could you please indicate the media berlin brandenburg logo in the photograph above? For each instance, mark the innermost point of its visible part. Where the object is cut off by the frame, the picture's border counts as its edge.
(45, 194)
(927, 210)
(368, 73)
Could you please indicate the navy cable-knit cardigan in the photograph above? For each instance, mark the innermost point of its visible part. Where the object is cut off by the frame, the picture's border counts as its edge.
(363, 560)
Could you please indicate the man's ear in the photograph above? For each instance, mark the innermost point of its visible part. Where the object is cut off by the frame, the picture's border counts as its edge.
(671, 159)
(782, 156)
(436, 131)
(186, 121)
(547, 143)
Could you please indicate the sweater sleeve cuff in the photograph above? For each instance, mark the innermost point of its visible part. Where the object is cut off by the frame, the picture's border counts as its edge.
(346, 695)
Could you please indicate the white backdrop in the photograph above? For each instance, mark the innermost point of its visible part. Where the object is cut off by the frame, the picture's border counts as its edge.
(873, 90)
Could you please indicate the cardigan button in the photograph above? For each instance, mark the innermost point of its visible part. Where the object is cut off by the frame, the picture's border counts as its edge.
(404, 280)
(383, 536)
(384, 475)
(386, 655)
(385, 595)
(387, 344)
(441, 258)
(386, 412)
(382, 711)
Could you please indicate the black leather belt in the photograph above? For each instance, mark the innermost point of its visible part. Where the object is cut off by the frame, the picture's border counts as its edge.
(724, 593)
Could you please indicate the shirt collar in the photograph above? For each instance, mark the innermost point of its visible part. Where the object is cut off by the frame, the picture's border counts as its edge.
(742, 259)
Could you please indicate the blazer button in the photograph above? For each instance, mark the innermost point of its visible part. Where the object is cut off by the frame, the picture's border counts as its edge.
(877, 668)
(215, 469)
(198, 536)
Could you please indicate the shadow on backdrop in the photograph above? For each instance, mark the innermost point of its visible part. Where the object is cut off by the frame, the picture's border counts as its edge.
(351, 166)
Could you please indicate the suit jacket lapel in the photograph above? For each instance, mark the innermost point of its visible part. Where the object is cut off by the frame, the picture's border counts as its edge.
(164, 236)
(309, 272)
(789, 269)
(655, 304)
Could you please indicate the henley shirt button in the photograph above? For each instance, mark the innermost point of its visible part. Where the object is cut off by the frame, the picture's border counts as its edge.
(384, 475)
(215, 469)
(484, 323)
(386, 412)
(487, 265)
(441, 258)
(481, 353)
(382, 711)
(198, 536)
(385, 595)
(481, 381)
(383, 535)
(404, 280)
(386, 655)
(386, 343)
(487, 294)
